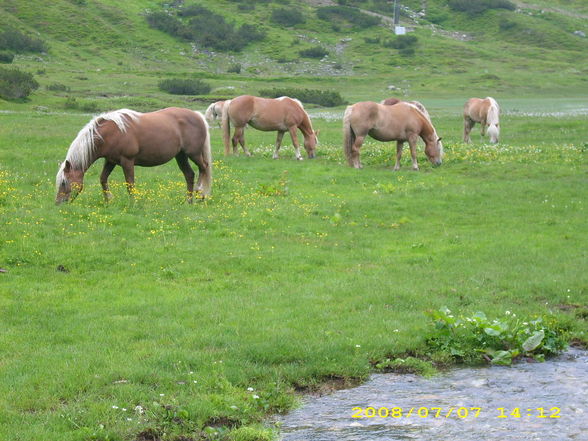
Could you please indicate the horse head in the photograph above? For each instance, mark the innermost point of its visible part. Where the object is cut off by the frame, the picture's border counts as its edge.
(493, 131)
(434, 150)
(69, 182)
(310, 143)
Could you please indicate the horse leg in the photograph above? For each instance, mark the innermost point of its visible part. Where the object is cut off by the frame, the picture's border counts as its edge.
(240, 138)
(399, 146)
(106, 170)
(128, 166)
(483, 126)
(468, 124)
(294, 137)
(278, 143)
(412, 142)
(184, 165)
(355, 151)
(204, 174)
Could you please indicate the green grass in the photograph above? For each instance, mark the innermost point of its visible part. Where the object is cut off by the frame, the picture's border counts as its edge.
(293, 274)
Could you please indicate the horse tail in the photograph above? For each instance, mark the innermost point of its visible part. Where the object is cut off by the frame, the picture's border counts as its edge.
(492, 120)
(348, 134)
(207, 156)
(209, 114)
(226, 127)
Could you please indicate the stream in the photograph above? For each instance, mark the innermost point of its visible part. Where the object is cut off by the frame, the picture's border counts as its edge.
(526, 401)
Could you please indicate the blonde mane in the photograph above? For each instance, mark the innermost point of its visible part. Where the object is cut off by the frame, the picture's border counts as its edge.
(81, 149)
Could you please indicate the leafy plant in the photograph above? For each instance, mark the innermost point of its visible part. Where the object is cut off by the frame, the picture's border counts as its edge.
(287, 16)
(327, 98)
(313, 52)
(184, 86)
(196, 23)
(15, 84)
(499, 341)
(477, 7)
(15, 41)
(6, 57)
(352, 15)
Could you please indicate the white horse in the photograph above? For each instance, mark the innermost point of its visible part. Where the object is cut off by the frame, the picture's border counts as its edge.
(484, 111)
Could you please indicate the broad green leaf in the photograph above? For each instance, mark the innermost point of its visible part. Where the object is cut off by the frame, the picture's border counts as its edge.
(533, 341)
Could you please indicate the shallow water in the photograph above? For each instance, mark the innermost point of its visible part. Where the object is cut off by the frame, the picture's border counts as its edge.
(535, 389)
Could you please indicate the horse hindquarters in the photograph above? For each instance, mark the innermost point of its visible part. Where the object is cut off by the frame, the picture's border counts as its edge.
(468, 124)
(351, 144)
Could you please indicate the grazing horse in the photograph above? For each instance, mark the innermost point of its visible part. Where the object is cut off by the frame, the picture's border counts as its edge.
(484, 111)
(128, 138)
(214, 112)
(419, 105)
(266, 114)
(400, 122)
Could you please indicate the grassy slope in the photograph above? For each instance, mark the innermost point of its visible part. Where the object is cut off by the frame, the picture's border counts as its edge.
(105, 51)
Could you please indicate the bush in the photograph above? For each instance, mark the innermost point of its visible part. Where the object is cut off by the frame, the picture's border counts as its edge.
(352, 15)
(477, 7)
(15, 84)
(206, 28)
(6, 57)
(313, 52)
(57, 87)
(402, 42)
(17, 42)
(287, 16)
(326, 98)
(235, 68)
(184, 86)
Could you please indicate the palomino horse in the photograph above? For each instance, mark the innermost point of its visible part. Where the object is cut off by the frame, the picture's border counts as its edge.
(419, 105)
(400, 122)
(266, 114)
(128, 138)
(214, 112)
(484, 111)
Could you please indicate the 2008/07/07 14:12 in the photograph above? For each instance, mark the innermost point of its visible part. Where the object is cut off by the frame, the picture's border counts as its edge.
(455, 412)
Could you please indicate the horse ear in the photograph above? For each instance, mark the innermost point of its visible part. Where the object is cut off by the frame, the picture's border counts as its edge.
(67, 166)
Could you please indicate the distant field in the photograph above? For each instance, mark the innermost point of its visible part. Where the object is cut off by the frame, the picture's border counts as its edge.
(128, 320)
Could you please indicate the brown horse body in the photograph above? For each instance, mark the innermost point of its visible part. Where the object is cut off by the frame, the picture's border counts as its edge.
(417, 104)
(400, 122)
(484, 111)
(128, 138)
(280, 114)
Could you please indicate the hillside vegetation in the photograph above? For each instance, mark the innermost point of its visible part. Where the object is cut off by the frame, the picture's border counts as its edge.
(116, 52)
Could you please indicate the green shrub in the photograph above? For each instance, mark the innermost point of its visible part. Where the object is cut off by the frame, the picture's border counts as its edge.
(57, 87)
(15, 84)
(499, 341)
(6, 57)
(234, 68)
(326, 98)
(313, 52)
(477, 7)
(17, 42)
(184, 86)
(198, 24)
(287, 17)
(352, 15)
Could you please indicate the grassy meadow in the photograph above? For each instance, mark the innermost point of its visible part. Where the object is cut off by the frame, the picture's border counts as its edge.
(165, 320)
